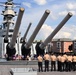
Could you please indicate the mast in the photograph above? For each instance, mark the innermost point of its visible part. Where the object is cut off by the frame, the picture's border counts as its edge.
(8, 14)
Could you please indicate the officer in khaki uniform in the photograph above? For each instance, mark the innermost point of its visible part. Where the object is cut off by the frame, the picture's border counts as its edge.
(74, 62)
(65, 63)
(40, 60)
(69, 62)
(46, 58)
(62, 60)
(53, 62)
(58, 62)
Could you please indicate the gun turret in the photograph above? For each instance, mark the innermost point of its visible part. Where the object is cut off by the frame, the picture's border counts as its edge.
(10, 49)
(24, 37)
(26, 47)
(41, 46)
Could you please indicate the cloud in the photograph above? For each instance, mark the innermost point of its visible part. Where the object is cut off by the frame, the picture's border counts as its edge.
(27, 4)
(41, 2)
(44, 32)
(67, 32)
(73, 12)
(64, 32)
(63, 13)
(71, 6)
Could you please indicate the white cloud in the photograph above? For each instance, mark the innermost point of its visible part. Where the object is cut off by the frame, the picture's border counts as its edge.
(44, 32)
(73, 12)
(75, 38)
(40, 2)
(27, 4)
(67, 32)
(64, 32)
(63, 13)
(71, 5)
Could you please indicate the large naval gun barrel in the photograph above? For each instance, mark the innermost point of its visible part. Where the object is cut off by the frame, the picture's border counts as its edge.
(26, 47)
(10, 49)
(40, 46)
(24, 37)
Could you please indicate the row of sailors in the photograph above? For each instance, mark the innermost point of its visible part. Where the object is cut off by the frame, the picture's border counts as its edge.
(59, 63)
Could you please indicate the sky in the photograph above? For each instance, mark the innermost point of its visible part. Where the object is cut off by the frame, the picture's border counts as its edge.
(34, 10)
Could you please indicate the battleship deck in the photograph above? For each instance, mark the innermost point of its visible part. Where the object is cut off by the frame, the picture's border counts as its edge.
(19, 62)
(5, 70)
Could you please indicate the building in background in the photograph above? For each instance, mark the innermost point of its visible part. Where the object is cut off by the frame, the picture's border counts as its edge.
(61, 45)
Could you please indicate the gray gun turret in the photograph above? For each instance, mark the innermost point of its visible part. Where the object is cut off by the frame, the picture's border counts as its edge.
(26, 47)
(40, 46)
(10, 48)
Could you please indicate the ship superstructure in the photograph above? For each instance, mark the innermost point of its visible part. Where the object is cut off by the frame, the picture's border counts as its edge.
(7, 27)
(8, 32)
